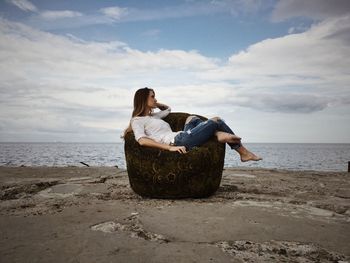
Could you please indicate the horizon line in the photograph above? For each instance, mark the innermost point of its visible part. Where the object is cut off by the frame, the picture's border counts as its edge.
(95, 142)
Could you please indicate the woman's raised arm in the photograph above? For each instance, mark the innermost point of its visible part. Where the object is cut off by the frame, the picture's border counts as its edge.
(162, 106)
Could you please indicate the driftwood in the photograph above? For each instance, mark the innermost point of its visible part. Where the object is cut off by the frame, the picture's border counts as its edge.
(85, 164)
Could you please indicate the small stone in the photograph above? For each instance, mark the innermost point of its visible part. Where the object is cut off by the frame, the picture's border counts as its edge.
(282, 251)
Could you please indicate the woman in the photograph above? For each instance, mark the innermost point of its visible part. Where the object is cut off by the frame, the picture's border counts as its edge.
(150, 130)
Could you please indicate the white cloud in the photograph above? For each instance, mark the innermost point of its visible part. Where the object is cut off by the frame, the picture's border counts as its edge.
(315, 9)
(188, 9)
(63, 85)
(114, 12)
(297, 29)
(284, 103)
(25, 5)
(45, 78)
(315, 60)
(61, 55)
(53, 19)
(52, 15)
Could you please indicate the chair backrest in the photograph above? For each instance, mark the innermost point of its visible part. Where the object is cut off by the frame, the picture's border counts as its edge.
(177, 120)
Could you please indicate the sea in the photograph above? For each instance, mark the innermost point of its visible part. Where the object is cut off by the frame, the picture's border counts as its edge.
(289, 156)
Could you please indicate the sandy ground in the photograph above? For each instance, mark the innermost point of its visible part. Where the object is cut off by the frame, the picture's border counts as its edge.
(90, 214)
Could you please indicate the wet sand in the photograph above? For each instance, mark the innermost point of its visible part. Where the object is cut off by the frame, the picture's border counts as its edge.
(90, 214)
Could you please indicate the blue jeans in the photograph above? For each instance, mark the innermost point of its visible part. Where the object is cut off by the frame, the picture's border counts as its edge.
(197, 132)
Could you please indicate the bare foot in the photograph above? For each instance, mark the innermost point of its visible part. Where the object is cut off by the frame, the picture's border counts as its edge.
(249, 156)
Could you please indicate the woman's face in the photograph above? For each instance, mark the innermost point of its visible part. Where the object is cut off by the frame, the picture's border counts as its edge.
(151, 101)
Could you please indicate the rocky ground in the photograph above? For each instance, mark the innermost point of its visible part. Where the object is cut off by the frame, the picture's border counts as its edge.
(90, 214)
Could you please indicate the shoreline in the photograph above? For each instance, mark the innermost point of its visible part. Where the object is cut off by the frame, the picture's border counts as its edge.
(225, 168)
(91, 214)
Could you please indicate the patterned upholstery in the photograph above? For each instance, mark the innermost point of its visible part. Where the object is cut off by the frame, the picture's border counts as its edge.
(163, 174)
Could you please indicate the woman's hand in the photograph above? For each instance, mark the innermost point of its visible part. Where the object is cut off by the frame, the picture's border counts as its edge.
(144, 141)
(162, 106)
(180, 149)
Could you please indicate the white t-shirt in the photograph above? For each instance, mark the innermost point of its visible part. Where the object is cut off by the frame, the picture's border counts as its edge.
(154, 127)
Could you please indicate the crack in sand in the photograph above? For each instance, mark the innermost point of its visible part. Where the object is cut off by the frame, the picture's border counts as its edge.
(12, 192)
(135, 229)
(290, 209)
(279, 251)
(244, 250)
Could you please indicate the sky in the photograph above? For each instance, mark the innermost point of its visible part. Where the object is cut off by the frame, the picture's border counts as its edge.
(275, 71)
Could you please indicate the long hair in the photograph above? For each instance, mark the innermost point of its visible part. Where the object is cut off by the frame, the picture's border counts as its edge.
(140, 105)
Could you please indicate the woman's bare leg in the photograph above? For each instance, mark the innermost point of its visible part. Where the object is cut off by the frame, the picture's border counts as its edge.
(247, 155)
(226, 137)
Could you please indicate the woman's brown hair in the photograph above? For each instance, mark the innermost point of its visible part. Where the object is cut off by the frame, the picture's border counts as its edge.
(140, 104)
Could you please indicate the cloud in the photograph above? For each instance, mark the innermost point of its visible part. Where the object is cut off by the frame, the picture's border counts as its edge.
(52, 15)
(24, 5)
(51, 20)
(53, 83)
(315, 60)
(284, 103)
(200, 8)
(297, 29)
(72, 57)
(114, 12)
(44, 78)
(315, 9)
(300, 73)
